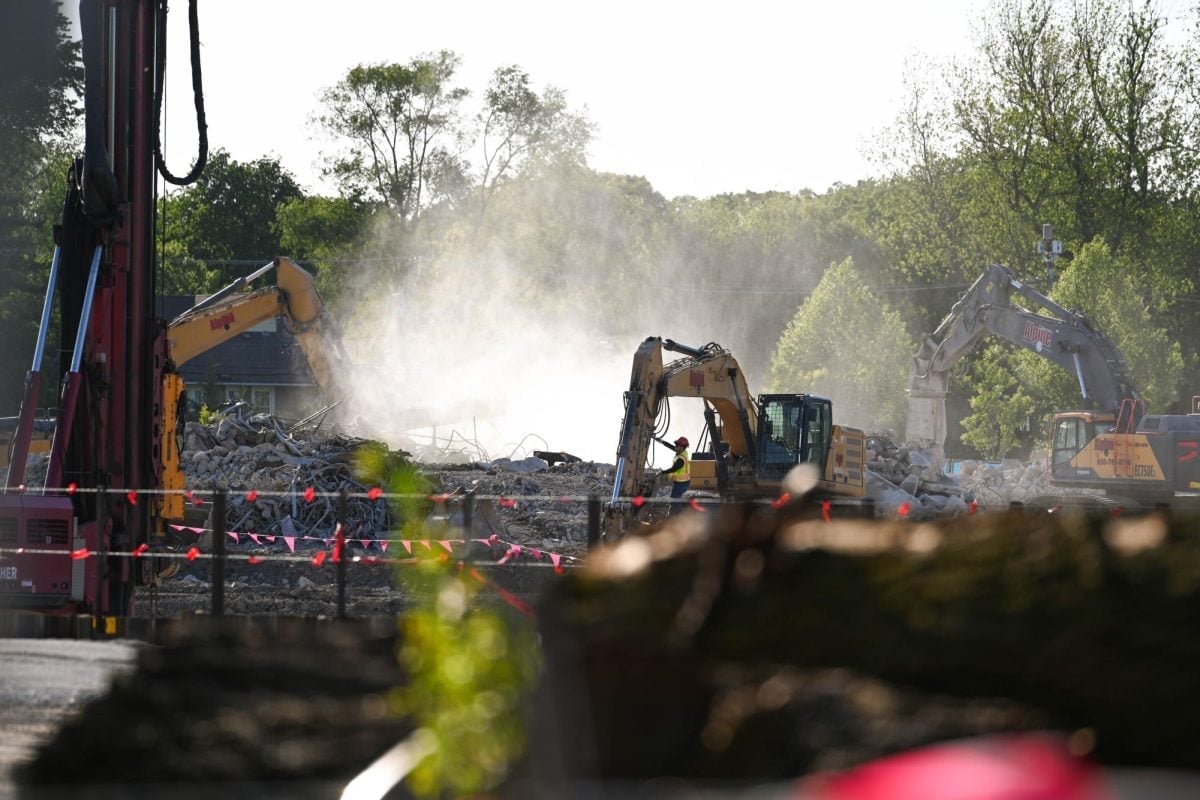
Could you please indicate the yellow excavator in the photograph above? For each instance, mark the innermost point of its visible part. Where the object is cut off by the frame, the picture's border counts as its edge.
(221, 317)
(753, 442)
(39, 441)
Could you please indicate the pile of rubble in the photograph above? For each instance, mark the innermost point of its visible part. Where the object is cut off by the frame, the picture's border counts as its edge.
(545, 504)
(256, 453)
(910, 474)
(545, 494)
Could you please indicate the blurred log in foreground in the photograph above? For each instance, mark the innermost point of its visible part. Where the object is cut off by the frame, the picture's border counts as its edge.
(749, 646)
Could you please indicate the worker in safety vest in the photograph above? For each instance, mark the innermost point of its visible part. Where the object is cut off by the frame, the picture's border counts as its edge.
(679, 473)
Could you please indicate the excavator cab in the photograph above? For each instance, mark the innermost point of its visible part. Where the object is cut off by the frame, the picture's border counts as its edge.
(792, 429)
(1072, 431)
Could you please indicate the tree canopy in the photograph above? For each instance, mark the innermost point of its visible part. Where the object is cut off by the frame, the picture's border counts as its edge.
(220, 226)
(38, 108)
(846, 343)
(398, 130)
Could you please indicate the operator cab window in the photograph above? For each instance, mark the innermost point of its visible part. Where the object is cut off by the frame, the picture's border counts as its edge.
(780, 434)
(1069, 438)
(820, 431)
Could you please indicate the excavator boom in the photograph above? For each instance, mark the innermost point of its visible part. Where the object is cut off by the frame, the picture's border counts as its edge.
(229, 312)
(999, 304)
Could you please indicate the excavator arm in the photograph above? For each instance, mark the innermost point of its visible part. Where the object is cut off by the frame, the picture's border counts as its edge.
(230, 312)
(221, 317)
(998, 304)
(710, 373)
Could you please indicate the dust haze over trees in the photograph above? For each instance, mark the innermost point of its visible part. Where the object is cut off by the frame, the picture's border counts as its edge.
(1083, 115)
(846, 343)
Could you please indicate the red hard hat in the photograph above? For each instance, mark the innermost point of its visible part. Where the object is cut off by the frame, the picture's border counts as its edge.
(681, 441)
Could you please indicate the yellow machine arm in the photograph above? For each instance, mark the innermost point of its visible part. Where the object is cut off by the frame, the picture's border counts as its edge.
(710, 373)
(223, 316)
(229, 312)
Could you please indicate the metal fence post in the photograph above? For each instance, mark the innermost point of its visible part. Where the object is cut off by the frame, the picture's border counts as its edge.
(339, 549)
(468, 513)
(218, 560)
(593, 521)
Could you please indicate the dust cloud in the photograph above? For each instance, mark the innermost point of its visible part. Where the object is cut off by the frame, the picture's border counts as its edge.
(456, 365)
(462, 358)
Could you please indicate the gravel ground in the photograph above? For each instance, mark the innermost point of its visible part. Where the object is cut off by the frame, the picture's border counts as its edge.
(42, 684)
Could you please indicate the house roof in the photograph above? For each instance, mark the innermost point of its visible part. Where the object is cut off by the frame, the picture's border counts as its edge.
(256, 358)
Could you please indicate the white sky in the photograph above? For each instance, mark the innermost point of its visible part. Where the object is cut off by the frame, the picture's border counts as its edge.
(701, 98)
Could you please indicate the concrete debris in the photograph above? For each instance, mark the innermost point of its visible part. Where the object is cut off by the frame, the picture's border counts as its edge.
(548, 509)
(257, 453)
(556, 457)
(524, 465)
(899, 474)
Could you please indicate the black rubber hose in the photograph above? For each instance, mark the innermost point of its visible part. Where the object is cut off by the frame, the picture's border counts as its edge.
(197, 96)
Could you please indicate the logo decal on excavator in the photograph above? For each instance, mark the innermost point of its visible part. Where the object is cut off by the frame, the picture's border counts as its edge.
(696, 378)
(1103, 445)
(1037, 335)
(1190, 451)
(223, 321)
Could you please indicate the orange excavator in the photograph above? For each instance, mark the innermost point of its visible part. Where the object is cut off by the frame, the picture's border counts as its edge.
(1109, 443)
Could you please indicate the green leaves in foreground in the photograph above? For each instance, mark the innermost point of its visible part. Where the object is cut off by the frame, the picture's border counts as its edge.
(468, 670)
(468, 665)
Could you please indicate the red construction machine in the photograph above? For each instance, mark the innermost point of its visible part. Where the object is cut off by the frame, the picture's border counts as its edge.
(65, 547)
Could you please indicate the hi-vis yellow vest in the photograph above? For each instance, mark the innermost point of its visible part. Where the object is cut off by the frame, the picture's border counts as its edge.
(684, 473)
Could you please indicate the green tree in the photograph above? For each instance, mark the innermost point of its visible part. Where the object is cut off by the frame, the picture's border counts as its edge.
(325, 232)
(42, 80)
(1001, 408)
(748, 260)
(1105, 287)
(400, 132)
(38, 111)
(518, 126)
(845, 343)
(1081, 115)
(219, 227)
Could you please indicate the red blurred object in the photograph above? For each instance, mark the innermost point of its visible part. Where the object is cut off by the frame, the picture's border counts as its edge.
(1016, 767)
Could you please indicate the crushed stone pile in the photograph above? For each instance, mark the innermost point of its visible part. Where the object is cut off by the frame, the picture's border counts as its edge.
(544, 506)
